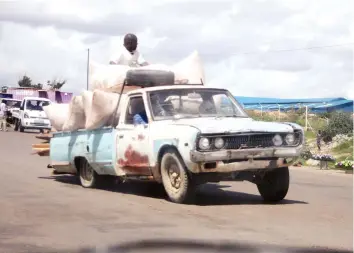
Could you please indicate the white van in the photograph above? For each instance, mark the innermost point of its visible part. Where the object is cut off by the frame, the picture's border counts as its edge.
(31, 115)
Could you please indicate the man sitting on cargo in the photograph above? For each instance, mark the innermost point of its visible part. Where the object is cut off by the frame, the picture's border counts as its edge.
(129, 55)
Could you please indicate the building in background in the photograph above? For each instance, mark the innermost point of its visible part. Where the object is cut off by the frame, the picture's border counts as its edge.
(56, 96)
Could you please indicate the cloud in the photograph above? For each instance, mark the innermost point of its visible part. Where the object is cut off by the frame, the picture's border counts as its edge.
(239, 41)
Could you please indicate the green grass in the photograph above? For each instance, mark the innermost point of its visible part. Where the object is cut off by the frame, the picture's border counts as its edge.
(345, 147)
(342, 152)
(309, 135)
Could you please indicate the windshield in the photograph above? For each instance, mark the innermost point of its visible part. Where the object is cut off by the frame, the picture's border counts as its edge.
(193, 102)
(36, 105)
(13, 103)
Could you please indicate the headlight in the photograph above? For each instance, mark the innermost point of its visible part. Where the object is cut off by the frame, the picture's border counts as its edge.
(277, 140)
(290, 139)
(204, 143)
(219, 143)
(25, 115)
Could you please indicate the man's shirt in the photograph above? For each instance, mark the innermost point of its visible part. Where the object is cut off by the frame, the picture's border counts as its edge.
(140, 118)
(2, 109)
(124, 57)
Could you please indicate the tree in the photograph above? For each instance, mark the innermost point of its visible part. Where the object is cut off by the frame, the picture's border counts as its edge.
(339, 123)
(56, 84)
(38, 86)
(25, 81)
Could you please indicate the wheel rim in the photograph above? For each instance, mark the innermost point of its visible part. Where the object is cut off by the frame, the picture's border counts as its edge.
(173, 174)
(87, 173)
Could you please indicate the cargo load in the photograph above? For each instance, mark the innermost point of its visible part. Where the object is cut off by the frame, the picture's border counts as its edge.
(103, 110)
(108, 77)
(76, 118)
(98, 107)
(57, 114)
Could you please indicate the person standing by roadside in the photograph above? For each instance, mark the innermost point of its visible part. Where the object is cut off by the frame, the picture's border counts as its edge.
(3, 124)
(318, 139)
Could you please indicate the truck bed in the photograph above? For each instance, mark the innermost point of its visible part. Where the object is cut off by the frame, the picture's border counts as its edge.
(96, 146)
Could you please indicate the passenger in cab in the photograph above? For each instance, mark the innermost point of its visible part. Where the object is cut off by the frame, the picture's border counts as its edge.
(129, 55)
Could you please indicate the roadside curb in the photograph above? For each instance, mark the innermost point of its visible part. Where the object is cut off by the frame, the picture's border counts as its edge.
(328, 172)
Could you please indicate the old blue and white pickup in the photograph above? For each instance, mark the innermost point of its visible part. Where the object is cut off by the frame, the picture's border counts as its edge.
(193, 135)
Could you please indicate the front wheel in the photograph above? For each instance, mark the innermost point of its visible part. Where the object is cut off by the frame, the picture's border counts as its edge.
(176, 181)
(274, 185)
(16, 125)
(22, 128)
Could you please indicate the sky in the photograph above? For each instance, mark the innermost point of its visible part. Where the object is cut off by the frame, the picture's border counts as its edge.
(262, 48)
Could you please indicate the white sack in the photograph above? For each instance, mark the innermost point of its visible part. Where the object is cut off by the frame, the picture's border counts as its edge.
(104, 104)
(76, 117)
(105, 76)
(157, 67)
(57, 114)
(108, 77)
(87, 103)
(190, 68)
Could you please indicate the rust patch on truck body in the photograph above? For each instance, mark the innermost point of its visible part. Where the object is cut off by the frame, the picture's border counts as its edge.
(134, 163)
(141, 137)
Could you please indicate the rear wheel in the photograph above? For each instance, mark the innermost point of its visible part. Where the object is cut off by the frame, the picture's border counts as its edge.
(176, 181)
(275, 185)
(88, 177)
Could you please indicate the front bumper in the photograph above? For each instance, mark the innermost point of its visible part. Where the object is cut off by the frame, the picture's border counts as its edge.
(243, 159)
(36, 123)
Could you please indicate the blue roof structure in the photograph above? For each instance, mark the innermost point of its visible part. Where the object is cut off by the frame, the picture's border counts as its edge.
(316, 105)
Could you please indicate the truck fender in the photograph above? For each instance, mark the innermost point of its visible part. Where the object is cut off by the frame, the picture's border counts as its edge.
(156, 172)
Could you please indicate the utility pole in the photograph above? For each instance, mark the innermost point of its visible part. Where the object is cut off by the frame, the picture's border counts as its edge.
(306, 117)
(88, 69)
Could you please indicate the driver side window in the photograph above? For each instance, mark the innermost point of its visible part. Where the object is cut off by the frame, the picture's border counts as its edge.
(136, 113)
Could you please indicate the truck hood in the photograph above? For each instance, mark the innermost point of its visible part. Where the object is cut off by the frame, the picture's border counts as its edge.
(232, 125)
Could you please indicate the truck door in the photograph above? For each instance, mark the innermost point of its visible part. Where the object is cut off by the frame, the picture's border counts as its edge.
(132, 156)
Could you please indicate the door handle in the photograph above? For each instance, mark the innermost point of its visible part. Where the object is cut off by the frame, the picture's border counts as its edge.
(121, 136)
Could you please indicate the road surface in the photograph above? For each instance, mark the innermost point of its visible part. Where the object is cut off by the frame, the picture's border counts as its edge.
(42, 212)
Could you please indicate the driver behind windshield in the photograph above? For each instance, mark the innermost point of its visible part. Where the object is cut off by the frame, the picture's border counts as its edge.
(207, 106)
(38, 106)
(140, 116)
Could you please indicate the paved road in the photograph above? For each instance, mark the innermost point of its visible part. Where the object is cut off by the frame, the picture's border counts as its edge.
(39, 211)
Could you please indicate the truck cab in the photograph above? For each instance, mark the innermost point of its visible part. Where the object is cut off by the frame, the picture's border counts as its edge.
(31, 115)
(182, 136)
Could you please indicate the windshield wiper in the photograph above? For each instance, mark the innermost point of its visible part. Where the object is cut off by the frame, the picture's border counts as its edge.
(178, 116)
(230, 116)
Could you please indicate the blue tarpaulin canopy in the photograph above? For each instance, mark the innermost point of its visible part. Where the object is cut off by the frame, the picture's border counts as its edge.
(319, 105)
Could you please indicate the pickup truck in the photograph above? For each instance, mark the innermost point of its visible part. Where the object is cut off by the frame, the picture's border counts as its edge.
(30, 115)
(193, 135)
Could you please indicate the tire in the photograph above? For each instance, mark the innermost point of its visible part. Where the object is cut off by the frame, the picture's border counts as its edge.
(275, 185)
(149, 77)
(182, 189)
(88, 177)
(16, 125)
(22, 129)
